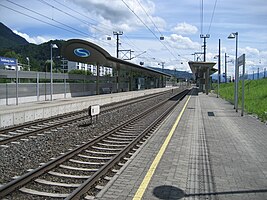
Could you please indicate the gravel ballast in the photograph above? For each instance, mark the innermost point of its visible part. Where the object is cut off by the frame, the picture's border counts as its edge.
(16, 159)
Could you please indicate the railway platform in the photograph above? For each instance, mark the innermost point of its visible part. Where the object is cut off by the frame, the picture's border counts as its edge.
(24, 112)
(203, 150)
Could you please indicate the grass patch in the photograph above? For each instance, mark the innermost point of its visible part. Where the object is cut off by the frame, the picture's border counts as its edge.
(255, 96)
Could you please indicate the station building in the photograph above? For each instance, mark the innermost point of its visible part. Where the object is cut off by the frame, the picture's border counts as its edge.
(111, 73)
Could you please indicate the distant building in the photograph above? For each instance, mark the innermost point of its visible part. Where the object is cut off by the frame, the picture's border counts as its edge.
(11, 67)
(70, 65)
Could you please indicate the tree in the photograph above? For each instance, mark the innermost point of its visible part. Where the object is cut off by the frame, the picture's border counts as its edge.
(13, 54)
(47, 66)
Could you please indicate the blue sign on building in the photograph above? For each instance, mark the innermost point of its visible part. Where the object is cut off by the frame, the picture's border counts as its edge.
(8, 61)
(81, 52)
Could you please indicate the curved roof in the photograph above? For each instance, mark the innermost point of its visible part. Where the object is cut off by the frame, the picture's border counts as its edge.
(84, 52)
(88, 52)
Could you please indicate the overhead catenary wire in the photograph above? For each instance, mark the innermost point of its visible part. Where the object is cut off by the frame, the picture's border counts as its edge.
(37, 19)
(72, 30)
(201, 16)
(110, 29)
(79, 19)
(85, 34)
(149, 17)
(84, 21)
(51, 21)
(148, 28)
(212, 16)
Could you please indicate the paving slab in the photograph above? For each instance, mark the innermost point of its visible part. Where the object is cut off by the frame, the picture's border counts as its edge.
(214, 154)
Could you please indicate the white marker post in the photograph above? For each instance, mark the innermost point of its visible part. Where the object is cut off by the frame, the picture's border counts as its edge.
(93, 110)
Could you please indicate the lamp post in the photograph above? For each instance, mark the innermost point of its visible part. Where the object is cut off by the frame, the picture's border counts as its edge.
(52, 46)
(232, 36)
(28, 59)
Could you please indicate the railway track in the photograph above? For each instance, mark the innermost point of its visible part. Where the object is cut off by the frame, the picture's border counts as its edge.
(81, 171)
(22, 131)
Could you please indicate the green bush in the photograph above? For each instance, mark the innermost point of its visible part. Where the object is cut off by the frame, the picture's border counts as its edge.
(78, 71)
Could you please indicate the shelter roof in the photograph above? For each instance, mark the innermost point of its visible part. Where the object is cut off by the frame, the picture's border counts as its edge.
(200, 68)
(90, 53)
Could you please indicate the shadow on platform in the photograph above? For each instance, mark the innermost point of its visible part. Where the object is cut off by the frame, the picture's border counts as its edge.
(170, 192)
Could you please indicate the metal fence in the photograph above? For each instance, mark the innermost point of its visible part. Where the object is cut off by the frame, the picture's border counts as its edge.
(36, 86)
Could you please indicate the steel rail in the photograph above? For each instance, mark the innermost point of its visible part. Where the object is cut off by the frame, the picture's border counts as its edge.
(26, 178)
(80, 191)
(34, 132)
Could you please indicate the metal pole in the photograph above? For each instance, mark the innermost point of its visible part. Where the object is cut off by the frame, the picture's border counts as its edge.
(219, 61)
(207, 81)
(45, 81)
(204, 49)
(65, 86)
(225, 67)
(37, 86)
(6, 94)
(51, 74)
(219, 68)
(117, 45)
(17, 84)
(117, 34)
(97, 78)
(243, 86)
(236, 73)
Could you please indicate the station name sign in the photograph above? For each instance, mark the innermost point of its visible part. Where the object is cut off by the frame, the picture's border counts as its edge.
(8, 61)
(241, 60)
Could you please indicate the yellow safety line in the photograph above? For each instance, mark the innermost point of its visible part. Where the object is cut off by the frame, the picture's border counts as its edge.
(141, 190)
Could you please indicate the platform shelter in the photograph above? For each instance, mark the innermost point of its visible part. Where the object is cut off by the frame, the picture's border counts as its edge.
(201, 73)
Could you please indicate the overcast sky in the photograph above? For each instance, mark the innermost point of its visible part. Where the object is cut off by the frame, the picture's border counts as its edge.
(143, 22)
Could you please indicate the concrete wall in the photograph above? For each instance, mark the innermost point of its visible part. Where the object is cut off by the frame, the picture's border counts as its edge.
(15, 114)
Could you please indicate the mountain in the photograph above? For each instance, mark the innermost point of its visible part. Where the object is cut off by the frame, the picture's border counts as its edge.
(9, 39)
(15, 46)
(177, 74)
(254, 76)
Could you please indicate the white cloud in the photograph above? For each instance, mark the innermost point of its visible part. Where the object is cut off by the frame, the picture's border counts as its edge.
(180, 42)
(184, 28)
(254, 58)
(116, 15)
(34, 40)
(113, 11)
(249, 51)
